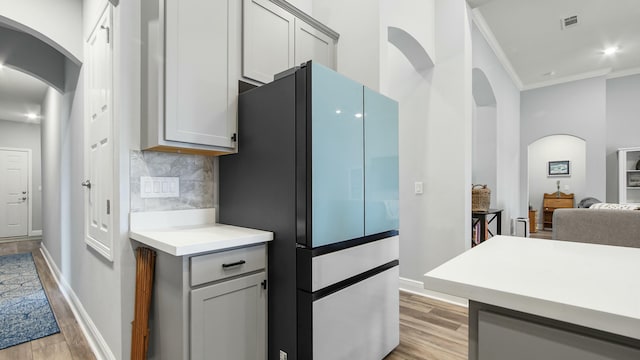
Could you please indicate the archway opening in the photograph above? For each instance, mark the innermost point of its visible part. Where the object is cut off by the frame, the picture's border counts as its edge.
(484, 138)
(556, 148)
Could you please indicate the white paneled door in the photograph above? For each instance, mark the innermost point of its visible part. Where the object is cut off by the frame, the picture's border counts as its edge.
(14, 171)
(99, 164)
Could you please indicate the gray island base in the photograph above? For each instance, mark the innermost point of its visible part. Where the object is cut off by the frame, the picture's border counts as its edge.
(497, 333)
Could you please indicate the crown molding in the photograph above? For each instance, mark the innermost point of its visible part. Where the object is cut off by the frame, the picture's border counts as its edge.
(570, 78)
(622, 73)
(485, 30)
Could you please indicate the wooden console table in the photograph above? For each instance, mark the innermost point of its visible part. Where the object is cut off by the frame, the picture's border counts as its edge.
(554, 201)
(480, 217)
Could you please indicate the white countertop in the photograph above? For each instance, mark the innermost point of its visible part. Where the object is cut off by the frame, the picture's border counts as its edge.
(188, 232)
(596, 286)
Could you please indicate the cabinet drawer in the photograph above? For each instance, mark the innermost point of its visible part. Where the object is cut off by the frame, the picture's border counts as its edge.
(220, 265)
(558, 203)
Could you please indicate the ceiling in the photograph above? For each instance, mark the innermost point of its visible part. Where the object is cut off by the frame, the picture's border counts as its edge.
(526, 35)
(20, 94)
(528, 38)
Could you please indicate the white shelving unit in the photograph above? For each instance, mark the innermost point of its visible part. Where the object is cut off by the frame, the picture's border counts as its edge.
(629, 175)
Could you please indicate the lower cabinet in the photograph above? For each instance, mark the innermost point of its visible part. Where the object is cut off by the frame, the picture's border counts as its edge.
(228, 319)
(210, 306)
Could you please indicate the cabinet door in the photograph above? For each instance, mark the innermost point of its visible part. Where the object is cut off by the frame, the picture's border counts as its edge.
(380, 163)
(267, 40)
(228, 320)
(312, 44)
(337, 185)
(200, 89)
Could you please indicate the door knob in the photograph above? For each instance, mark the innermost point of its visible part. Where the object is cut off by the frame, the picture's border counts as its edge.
(87, 184)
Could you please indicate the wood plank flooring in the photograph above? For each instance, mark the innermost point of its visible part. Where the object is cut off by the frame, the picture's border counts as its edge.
(431, 330)
(541, 234)
(70, 342)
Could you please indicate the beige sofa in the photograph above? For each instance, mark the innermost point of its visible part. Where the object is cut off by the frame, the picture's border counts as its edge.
(600, 226)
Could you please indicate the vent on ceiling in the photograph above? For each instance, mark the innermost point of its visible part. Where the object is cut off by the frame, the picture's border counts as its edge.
(569, 22)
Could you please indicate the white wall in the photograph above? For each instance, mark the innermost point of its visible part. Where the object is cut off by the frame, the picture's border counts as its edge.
(27, 136)
(51, 164)
(41, 19)
(577, 108)
(623, 125)
(94, 281)
(435, 131)
(358, 23)
(553, 148)
(485, 150)
(127, 108)
(506, 193)
(104, 289)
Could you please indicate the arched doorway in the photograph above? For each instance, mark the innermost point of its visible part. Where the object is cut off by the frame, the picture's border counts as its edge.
(556, 148)
(484, 138)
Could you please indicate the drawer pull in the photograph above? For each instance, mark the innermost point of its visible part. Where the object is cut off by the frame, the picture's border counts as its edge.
(237, 263)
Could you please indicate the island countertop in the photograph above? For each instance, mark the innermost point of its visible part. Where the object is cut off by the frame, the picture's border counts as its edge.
(596, 286)
(189, 232)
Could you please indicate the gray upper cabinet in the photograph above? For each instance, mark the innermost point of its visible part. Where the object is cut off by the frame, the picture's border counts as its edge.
(268, 40)
(190, 70)
(277, 36)
(313, 44)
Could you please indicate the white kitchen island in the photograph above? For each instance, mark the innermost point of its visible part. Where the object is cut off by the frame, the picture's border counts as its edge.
(546, 299)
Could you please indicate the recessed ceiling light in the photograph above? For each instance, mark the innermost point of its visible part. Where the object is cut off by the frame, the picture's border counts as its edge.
(32, 116)
(610, 50)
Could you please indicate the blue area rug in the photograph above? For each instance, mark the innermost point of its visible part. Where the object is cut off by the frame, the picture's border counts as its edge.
(25, 313)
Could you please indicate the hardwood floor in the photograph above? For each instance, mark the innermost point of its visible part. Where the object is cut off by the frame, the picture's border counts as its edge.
(541, 234)
(70, 342)
(431, 329)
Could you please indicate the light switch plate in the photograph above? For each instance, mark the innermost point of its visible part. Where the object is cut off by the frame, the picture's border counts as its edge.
(418, 187)
(159, 187)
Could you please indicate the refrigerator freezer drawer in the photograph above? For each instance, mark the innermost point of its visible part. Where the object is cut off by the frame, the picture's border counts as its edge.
(334, 267)
(360, 321)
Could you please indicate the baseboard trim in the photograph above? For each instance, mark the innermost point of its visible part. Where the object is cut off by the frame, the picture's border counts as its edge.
(35, 233)
(97, 343)
(417, 287)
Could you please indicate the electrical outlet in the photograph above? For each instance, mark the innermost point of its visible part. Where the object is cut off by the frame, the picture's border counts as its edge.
(159, 187)
(283, 355)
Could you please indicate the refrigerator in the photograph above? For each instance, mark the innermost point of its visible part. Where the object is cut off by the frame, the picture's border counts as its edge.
(317, 164)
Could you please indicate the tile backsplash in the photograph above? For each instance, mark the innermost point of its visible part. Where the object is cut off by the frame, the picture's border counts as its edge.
(197, 180)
